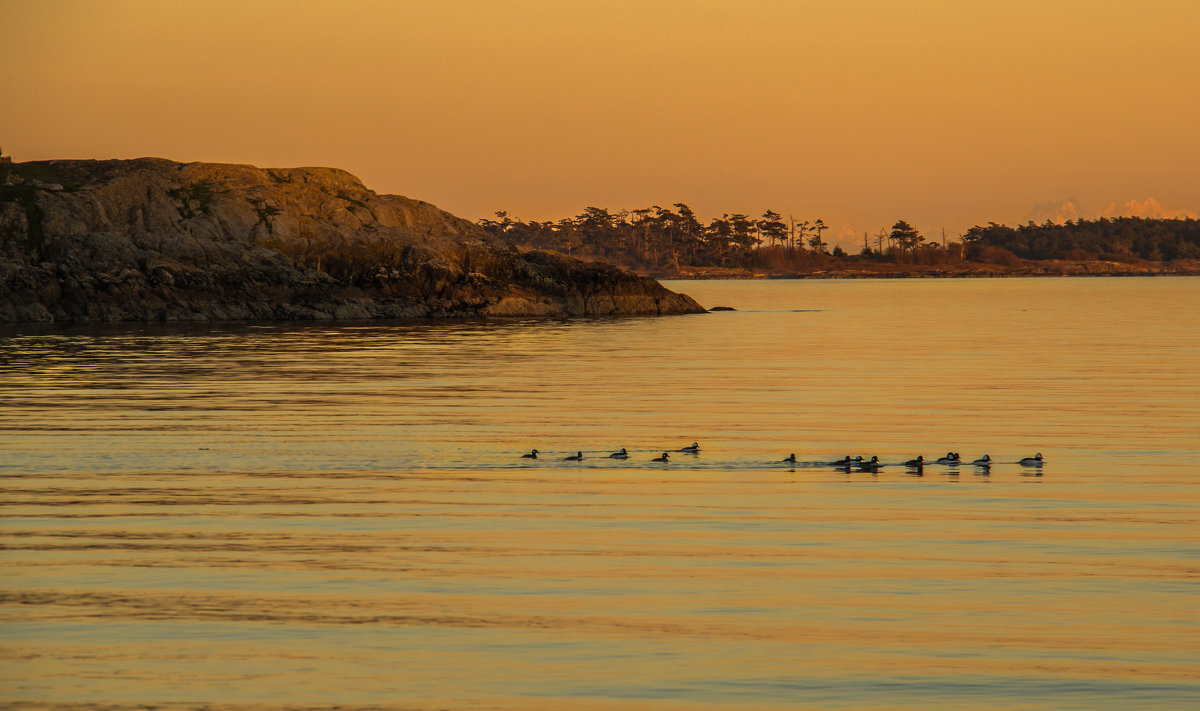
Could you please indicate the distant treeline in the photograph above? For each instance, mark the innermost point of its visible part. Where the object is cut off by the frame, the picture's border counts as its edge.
(1145, 238)
(666, 237)
(658, 237)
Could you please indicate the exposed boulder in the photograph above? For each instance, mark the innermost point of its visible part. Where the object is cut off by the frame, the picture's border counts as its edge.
(151, 239)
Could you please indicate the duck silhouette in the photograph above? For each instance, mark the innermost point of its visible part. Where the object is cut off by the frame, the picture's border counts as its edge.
(871, 465)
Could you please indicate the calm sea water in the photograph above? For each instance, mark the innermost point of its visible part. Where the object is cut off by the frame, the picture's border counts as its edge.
(275, 516)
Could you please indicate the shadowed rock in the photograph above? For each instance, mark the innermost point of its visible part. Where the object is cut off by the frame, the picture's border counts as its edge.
(151, 239)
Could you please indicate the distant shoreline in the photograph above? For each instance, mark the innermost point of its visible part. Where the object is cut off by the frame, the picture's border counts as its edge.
(967, 270)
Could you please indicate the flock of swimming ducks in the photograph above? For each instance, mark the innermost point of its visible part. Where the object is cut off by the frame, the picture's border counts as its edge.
(693, 448)
(873, 464)
(952, 459)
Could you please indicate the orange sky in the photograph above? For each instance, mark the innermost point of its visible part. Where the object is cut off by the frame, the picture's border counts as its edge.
(943, 112)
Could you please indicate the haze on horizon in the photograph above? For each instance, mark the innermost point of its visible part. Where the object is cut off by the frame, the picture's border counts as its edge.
(943, 113)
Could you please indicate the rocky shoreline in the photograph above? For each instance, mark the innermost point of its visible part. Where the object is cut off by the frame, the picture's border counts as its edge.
(155, 240)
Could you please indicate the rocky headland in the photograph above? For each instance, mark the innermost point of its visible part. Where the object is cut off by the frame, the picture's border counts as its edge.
(152, 239)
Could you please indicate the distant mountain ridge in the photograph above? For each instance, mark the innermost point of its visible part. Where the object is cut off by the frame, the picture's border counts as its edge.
(1057, 211)
(1060, 212)
(1149, 208)
(153, 239)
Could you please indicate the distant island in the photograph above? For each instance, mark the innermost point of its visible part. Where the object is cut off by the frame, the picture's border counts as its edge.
(673, 243)
(155, 240)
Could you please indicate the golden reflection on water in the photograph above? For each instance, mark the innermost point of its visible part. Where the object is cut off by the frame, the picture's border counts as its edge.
(280, 516)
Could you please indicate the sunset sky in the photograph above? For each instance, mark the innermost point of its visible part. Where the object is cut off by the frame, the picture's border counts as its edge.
(942, 112)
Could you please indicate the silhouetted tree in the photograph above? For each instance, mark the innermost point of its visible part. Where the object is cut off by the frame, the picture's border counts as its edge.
(906, 236)
(743, 231)
(802, 230)
(771, 228)
(819, 226)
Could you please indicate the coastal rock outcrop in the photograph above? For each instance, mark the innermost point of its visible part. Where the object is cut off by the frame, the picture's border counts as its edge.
(152, 239)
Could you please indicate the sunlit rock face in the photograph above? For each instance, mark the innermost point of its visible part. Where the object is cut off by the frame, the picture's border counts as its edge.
(151, 239)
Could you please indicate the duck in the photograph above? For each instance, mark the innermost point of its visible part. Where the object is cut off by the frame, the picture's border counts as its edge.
(984, 461)
(619, 455)
(1034, 461)
(843, 462)
(918, 462)
(532, 455)
(663, 458)
(950, 458)
(872, 465)
(578, 456)
(692, 449)
(791, 458)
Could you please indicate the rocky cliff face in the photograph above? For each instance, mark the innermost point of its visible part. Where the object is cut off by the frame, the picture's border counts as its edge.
(152, 239)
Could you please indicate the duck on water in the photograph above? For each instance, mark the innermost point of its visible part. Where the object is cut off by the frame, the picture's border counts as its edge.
(872, 465)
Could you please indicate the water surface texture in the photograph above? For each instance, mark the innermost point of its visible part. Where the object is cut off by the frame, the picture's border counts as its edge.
(280, 516)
